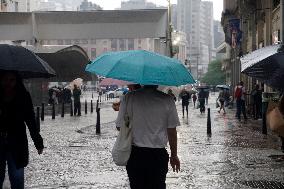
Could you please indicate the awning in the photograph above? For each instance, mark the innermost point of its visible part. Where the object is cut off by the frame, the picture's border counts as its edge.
(266, 64)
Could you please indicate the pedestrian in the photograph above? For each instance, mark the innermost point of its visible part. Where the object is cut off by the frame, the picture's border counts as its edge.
(194, 98)
(201, 98)
(170, 92)
(54, 97)
(221, 98)
(185, 97)
(240, 93)
(77, 103)
(256, 95)
(153, 118)
(16, 113)
(207, 96)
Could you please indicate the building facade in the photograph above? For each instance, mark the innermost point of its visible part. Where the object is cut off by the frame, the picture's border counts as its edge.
(259, 25)
(137, 4)
(195, 18)
(89, 6)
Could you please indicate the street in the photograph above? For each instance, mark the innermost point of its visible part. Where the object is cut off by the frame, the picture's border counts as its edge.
(237, 155)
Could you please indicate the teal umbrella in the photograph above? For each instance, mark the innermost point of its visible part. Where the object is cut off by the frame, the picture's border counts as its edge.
(140, 66)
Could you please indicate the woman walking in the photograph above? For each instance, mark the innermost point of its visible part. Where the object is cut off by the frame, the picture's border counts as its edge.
(16, 112)
(221, 99)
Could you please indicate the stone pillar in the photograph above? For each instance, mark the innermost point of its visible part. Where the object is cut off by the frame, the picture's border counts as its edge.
(282, 20)
(268, 24)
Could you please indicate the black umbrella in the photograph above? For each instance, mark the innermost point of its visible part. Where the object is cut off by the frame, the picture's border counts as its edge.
(266, 64)
(223, 87)
(24, 61)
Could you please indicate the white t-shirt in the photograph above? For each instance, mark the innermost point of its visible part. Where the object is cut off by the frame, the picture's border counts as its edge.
(151, 113)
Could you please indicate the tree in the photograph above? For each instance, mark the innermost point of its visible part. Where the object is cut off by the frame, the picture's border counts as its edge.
(215, 75)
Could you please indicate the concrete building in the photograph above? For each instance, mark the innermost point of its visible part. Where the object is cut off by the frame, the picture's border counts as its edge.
(19, 5)
(258, 29)
(137, 4)
(195, 18)
(12, 5)
(219, 36)
(179, 46)
(89, 6)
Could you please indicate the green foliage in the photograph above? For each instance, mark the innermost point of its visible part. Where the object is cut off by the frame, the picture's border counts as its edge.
(214, 76)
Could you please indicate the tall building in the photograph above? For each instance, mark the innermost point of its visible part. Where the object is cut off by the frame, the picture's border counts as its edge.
(219, 36)
(195, 18)
(89, 6)
(10, 6)
(137, 4)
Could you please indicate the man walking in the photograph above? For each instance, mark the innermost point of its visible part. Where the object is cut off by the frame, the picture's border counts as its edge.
(257, 101)
(77, 103)
(153, 118)
(240, 100)
(185, 96)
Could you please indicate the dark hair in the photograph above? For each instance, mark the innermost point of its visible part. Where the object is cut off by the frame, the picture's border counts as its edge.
(20, 87)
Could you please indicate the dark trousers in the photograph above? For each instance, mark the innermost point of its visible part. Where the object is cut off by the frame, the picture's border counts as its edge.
(77, 108)
(202, 104)
(16, 176)
(241, 108)
(147, 168)
(257, 110)
(185, 106)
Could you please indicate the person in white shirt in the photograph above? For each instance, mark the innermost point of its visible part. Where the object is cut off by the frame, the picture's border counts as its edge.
(154, 119)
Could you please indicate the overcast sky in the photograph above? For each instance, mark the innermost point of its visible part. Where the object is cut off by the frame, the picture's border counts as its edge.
(112, 4)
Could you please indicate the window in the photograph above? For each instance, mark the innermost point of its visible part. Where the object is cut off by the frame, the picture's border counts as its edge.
(67, 41)
(130, 44)
(139, 41)
(93, 53)
(93, 41)
(122, 44)
(84, 41)
(60, 42)
(113, 44)
(76, 41)
(16, 6)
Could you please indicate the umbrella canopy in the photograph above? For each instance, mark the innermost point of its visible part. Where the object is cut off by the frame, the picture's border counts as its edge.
(266, 64)
(202, 87)
(223, 87)
(143, 67)
(110, 81)
(24, 61)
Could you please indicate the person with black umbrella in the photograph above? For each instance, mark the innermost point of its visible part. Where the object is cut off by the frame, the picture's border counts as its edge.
(16, 112)
(185, 97)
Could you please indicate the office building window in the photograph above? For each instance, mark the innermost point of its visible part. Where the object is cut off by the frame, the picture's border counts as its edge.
(93, 41)
(60, 42)
(84, 41)
(130, 44)
(67, 41)
(93, 53)
(76, 41)
(122, 44)
(113, 44)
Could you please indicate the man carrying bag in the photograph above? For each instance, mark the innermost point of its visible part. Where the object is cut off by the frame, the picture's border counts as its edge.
(153, 120)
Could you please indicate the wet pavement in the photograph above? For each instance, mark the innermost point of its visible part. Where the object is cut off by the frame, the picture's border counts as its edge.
(237, 155)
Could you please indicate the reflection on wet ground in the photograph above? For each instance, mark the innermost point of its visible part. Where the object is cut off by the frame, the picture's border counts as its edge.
(237, 155)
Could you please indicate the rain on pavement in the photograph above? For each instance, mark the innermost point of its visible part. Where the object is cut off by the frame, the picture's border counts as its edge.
(235, 154)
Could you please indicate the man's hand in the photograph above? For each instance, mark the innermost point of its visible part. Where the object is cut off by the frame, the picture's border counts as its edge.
(174, 160)
(175, 163)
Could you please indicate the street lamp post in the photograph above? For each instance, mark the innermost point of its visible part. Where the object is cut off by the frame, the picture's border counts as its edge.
(169, 38)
